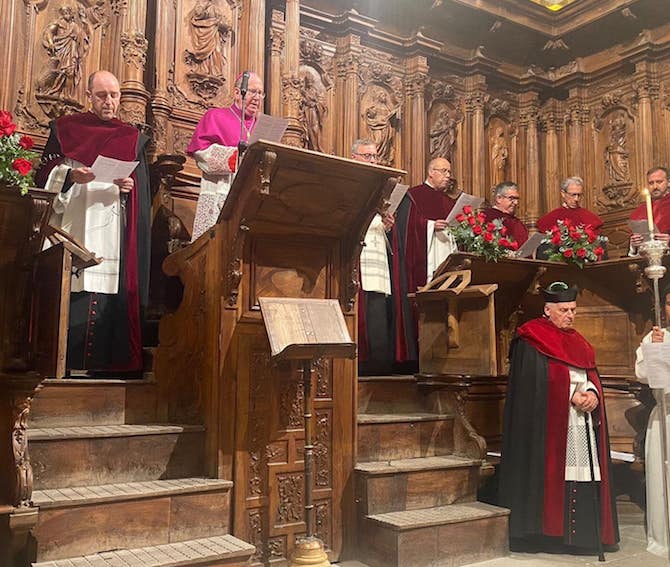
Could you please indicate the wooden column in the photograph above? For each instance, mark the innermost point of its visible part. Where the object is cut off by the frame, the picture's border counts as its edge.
(474, 105)
(131, 70)
(575, 154)
(290, 80)
(551, 174)
(348, 59)
(252, 40)
(274, 81)
(414, 120)
(530, 191)
(646, 87)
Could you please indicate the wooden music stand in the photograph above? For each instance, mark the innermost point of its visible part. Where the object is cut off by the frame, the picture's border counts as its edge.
(305, 330)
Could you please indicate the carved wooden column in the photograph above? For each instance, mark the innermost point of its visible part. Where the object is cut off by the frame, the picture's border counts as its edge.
(475, 99)
(551, 175)
(646, 88)
(414, 123)
(134, 57)
(530, 189)
(291, 95)
(252, 40)
(274, 81)
(575, 154)
(348, 58)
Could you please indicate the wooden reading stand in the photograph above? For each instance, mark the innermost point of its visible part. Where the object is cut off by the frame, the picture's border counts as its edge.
(292, 227)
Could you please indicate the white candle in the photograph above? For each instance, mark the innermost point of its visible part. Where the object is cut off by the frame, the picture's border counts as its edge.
(650, 214)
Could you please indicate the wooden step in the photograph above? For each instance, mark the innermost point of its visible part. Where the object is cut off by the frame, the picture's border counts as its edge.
(203, 552)
(411, 484)
(404, 436)
(104, 454)
(85, 401)
(389, 394)
(445, 536)
(88, 519)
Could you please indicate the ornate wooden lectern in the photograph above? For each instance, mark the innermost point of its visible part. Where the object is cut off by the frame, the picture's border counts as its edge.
(292, 226)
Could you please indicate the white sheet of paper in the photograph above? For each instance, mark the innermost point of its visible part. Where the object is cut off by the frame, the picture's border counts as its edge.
(396, 197)
(106, 169)
(529, 247)
(463, 200)
(269, 128)
(657, 362)
(640, 226)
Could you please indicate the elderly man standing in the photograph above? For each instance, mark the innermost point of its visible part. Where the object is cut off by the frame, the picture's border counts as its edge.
(214, 146)
(506, 200)
(554, 474)
(657, 183)
(110, 219)
(572, 192)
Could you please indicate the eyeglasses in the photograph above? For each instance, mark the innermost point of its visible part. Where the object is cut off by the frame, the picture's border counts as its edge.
(513, 198)
(253, 93)
(574, 195)
(367, 157)
(443, 170)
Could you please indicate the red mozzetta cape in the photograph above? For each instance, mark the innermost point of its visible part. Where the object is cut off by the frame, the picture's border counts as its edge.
(515, 227)
(564, 348)
(577, 216)
(661, 210)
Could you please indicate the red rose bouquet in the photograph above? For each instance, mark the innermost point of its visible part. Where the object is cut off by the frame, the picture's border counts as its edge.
(576, 244)
(489, 239)
(16, 157)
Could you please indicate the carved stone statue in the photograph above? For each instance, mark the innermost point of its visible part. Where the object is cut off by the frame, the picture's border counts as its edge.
(209, 27)
(499, 156)
(312, 113)
(616, 155)
(443, 135)
(66, 41)
(380, 119)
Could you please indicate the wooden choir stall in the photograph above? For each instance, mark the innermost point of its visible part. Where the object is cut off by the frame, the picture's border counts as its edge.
(469, 312)
(291, 227)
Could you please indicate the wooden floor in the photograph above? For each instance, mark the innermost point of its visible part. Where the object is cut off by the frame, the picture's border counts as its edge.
(632, 552)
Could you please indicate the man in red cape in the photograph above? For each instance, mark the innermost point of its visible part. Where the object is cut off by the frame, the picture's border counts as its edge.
(110, 218)
(554, 477)
(506, 200)
(657, 183)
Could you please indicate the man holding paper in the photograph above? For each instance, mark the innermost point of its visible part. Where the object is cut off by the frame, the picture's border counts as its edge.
(657, 530)
(657, 183)
(111, 217)
(215, 147)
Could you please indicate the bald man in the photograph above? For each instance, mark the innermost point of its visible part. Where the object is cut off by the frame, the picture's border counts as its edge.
(112, 219)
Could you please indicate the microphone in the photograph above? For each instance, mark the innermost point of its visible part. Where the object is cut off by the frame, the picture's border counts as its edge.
(244, 84)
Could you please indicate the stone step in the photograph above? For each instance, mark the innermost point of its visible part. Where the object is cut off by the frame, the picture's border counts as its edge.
(444, 536)
(385, 437)
(65, 457)
(203, 552)
(88, 401)
(411, 484)
(88, 519)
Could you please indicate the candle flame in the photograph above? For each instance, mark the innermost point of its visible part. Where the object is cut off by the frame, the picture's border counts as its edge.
(644, 191)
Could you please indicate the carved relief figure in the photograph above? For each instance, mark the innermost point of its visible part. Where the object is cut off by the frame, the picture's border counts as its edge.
(66, 41)
(312, 112)
(499, 156)
(616, 155)
(209, 27)
(380, 119)
(443, 135)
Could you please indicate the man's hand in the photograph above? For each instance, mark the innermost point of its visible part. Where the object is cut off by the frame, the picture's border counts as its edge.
(656, 334)
(662, 237)
(636, 240)
(125, 184)
(585, 401)
(388, 221)
(82, 175)
(440, 224)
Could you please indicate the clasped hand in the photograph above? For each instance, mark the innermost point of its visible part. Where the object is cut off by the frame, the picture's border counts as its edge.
(585, 401)
(82, 175)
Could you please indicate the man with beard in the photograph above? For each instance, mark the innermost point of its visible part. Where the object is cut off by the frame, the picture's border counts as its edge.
(657, 183)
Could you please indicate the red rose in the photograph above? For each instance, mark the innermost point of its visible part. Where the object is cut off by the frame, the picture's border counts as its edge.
(503, 230)
(504, 242)
(26, 142)
(514, 245)
(490, 227)
(481, 217)
(467, 209)
(581, 252)
(477, 229)
(567, 222)
(7, 127)
(460, 218)
(472, 221)
(488, 236)
(556, 239)
(23, 166)
(568, 253)
(599, 251)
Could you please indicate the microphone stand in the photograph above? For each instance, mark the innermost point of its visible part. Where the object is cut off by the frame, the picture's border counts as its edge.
(242, 144)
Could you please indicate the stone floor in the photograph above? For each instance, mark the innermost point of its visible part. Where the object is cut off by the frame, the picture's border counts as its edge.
(632, 552)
